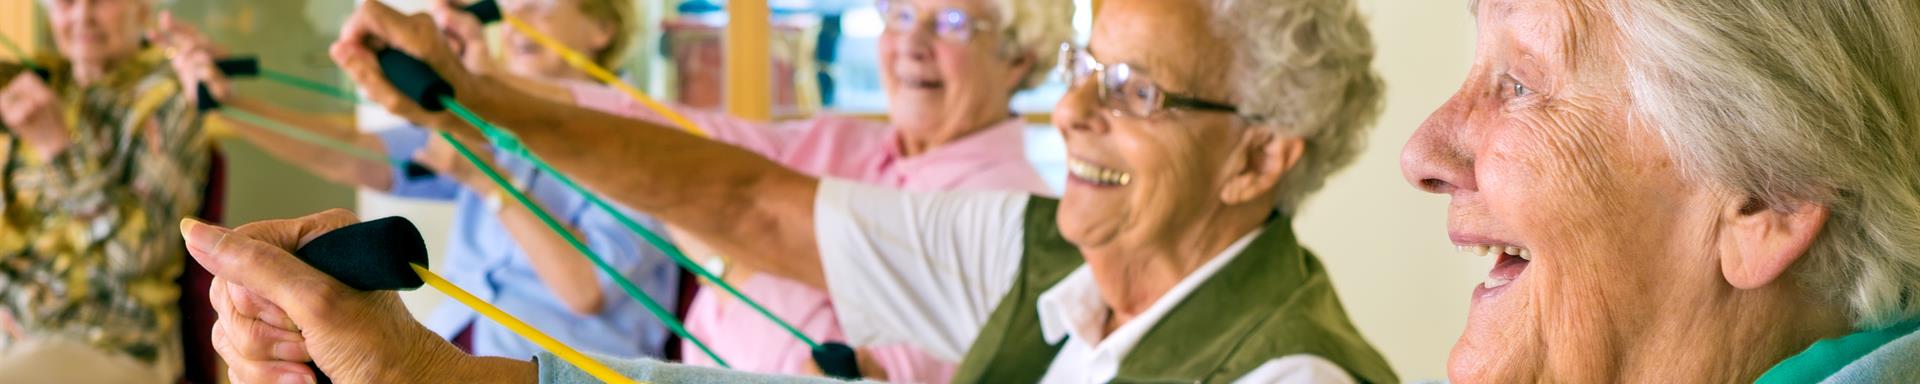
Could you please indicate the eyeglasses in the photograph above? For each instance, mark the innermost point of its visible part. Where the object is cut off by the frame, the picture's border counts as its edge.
(951, 24)
(1125, 89)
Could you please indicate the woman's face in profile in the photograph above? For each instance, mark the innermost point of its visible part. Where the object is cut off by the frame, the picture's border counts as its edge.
(1594, 233)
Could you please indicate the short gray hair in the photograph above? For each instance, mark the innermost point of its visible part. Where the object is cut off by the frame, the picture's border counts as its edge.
(1307, 67)
(1036, 28)
(1792, 102)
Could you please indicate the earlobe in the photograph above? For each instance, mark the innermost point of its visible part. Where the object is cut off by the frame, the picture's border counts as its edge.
(1759, 242)
(1261, 162)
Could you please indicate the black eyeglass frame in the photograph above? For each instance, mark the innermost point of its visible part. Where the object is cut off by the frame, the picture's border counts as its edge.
(1163, 99)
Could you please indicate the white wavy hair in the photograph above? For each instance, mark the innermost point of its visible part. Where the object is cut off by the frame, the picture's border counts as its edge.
(1789, 102)
(1307, 67)
(1036, 28)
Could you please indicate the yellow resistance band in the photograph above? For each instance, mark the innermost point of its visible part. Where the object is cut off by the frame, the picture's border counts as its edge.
(578, 61)
(578, 359)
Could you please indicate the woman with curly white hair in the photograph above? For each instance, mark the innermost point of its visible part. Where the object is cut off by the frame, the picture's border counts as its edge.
(1195, 128)
(1686, 191)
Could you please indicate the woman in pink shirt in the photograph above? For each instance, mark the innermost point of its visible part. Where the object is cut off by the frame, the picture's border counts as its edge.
(950, 69)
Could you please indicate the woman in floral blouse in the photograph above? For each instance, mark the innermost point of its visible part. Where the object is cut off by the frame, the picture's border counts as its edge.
(100, 154)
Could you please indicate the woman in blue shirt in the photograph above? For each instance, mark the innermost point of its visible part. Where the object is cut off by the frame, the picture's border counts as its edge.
(498, 249)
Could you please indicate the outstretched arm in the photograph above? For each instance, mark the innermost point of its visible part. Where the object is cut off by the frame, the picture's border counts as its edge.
(760, 211)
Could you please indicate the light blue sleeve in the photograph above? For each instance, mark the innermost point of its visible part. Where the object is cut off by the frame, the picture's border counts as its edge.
(622, 248)
(553, 370)
(401, 143)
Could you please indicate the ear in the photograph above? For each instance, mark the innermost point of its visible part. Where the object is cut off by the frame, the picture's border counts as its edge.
(602, 35)
(1022, 65)
(1257, 165)
(1759, 242)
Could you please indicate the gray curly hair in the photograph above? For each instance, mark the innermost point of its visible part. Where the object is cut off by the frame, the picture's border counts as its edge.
(1036, 28)
(1306, 65)
(1794, 102)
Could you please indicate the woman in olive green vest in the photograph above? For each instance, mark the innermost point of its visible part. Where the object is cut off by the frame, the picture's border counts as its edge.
(1195, 128)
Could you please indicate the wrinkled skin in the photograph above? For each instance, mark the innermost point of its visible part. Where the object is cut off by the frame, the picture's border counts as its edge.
(1538, 151)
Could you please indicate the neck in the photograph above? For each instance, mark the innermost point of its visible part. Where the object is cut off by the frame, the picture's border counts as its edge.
(1132, 278)
(88, 72)
(914, 142)
(1738, 337)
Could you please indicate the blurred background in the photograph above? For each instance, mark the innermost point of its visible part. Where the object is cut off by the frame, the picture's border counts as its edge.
(1384, 243)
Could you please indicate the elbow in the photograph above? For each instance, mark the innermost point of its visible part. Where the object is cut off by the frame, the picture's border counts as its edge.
(589, 302)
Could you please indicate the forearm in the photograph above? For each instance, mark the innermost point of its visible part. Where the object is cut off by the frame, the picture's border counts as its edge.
(501, 370)
(327, 162)
(754, 209)
(563, 269)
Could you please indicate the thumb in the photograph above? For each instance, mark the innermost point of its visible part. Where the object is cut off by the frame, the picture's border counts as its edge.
(265, 269)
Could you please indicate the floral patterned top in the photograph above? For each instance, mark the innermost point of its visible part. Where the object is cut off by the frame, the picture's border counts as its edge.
(89, 239)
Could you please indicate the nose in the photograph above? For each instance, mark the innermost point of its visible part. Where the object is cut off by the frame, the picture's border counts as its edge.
(1435, 159)
(916, 43)
(1079, 110)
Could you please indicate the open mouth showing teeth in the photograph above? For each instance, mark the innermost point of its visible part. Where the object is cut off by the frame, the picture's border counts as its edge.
(1512, 261)
(1097, 175)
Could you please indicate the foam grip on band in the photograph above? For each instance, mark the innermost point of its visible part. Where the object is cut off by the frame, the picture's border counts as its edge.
(487, 11)
(238, 66)
(370, 256)
(204, 97)
(414, 79)
(415, 171)
(837, 361)
(44, 75)
(232, 67)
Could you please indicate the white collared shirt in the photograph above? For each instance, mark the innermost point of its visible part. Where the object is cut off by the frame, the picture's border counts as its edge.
(928, 269)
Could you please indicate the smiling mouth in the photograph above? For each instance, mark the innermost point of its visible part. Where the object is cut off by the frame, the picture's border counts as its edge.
(1097, 175)
(1510, 263)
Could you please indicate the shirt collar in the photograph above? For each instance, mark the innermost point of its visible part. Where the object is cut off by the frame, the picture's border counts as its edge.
(1002, 140)
(1074, 307)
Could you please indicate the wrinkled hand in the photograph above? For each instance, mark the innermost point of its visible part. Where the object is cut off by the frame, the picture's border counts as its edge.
(31, 112)
(373, 27)
(465, 33)
(192, 55)
(277, 313)
(443, 159)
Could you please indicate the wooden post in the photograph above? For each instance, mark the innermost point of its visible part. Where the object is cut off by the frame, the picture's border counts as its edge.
(749, 64)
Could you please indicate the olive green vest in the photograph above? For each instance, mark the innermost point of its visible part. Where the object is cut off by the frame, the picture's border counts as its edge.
(1271, 301)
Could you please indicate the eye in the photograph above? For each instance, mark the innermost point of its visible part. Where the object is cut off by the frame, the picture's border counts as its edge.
(1512, 88)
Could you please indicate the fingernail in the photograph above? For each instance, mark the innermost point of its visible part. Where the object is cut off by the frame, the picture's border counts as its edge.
(201, 237)
(296, 379)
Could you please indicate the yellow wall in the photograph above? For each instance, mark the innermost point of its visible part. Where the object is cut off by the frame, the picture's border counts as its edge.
(16, 22)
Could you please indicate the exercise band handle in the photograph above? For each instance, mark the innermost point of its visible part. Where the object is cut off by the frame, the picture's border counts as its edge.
(487, 11)
(414, 79)
(369, 256)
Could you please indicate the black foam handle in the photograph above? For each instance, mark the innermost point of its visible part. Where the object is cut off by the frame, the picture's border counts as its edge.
(237, 66)
(837, 361)
(415, 171)
(370, 256)
(487, 11)
(414, 78)
(44, 75)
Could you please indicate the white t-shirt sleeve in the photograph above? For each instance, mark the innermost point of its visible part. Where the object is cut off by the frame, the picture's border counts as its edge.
(1297, 369)
(924, 269)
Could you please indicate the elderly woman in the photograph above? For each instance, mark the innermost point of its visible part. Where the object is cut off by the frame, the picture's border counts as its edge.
(1710, 189)
(1170, 257)
(950, 68)
(98, 159)
(499, 249)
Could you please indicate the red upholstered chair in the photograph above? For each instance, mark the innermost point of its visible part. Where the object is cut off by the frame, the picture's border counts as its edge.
(196, 311)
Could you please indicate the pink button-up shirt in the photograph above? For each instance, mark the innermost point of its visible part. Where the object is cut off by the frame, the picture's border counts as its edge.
(845, 148)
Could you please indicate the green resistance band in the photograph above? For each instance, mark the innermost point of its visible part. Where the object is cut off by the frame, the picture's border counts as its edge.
(546, 218)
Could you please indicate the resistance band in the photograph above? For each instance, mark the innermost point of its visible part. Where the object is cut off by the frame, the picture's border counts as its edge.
(666, 318)
(389, 255)
(834, 359)
(418, 250)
